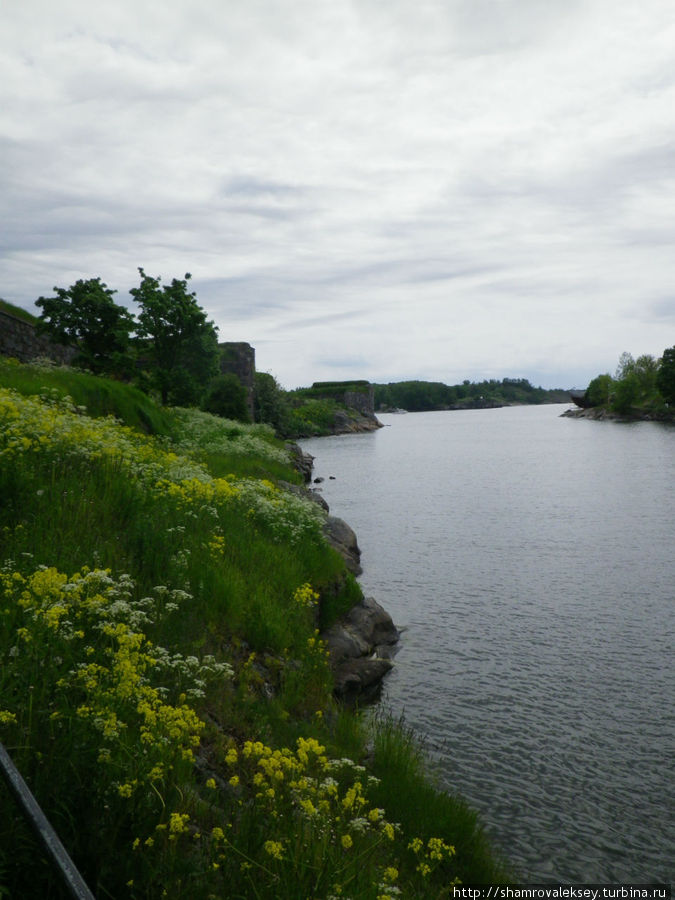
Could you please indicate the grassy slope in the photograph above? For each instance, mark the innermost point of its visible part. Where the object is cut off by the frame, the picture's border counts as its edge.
(17, 311)
(127, 698)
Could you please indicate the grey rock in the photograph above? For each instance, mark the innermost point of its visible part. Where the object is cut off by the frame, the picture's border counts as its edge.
(305, 493)
(343, 539)
(372, 621)
(302, 462)
(360, 645)
(360, 678)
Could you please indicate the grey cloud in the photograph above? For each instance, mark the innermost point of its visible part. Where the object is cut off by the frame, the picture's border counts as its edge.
(349, 362)
(329, 318)
(250, 186)
(366, 172)
(662, 310)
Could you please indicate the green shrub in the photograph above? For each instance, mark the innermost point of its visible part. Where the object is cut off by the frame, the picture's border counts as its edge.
(599, 391)
(226, 396)
(313, 417)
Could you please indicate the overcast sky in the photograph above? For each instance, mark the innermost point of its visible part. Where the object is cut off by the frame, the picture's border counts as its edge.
(381, 189)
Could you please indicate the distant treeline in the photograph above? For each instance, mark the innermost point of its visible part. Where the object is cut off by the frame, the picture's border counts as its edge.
(421, 396)
(335, 389)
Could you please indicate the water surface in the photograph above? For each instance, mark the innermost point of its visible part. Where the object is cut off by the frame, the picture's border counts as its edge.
(530, 559)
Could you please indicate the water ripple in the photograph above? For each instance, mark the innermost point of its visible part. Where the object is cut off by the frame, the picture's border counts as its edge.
(530, 559)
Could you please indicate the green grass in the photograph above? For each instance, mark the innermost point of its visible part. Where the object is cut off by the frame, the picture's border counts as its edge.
(17, 311)
(159, 604)
(98, 396)
(313, 417)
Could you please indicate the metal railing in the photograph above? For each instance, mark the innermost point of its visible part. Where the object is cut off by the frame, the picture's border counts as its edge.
(55, 851)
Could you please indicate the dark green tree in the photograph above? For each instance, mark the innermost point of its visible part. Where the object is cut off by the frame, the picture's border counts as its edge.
(85, 316)
(271, 404)
(226, 396)
(635, 382)
(665, 379)
(599, 391)
(175, 337)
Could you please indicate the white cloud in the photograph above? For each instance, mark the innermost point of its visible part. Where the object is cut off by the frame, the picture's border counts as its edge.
(435, 189)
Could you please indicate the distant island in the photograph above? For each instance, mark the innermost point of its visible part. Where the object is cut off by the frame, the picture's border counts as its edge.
(642, 388)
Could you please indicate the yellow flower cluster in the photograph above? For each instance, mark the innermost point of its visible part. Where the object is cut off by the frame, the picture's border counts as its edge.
(119, 696)
(274, 849)
(305, 596)
(31, 425)
(110, 668)
(328, 796)
(431, 854)
(317, 806)
(197, 492)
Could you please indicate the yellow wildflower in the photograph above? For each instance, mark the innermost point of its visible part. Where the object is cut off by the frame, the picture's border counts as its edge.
(274, 849)
(231, 756)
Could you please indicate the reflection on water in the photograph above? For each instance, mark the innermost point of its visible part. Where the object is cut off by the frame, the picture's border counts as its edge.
(530, 560)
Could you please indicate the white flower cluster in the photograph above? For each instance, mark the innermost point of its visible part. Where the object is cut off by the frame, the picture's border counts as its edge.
(205, 433)
(190, 673)
(290, 518)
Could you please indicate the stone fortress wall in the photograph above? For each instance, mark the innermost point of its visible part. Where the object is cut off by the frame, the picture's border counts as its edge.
(19, 339)
(363, 401)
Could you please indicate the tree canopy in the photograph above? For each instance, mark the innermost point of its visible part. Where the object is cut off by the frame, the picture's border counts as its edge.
(645, 383)
(174, 333)
(86, 317)
(665, 379)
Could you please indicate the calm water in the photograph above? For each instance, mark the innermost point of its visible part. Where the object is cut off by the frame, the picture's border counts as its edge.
(531, 560)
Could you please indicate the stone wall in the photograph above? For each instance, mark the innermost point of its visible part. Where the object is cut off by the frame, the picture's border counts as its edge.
(19, 339)
(363, 401)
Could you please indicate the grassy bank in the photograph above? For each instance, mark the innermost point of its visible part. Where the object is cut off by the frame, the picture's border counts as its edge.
(163, 687)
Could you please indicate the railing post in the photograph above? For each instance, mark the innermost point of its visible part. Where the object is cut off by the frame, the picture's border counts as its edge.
(56, 852)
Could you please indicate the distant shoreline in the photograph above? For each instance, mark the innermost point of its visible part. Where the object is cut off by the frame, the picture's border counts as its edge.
(601, 413)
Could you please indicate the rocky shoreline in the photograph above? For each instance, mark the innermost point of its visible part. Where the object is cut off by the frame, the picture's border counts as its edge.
(362, 642)
(601, 413)
(353, 422)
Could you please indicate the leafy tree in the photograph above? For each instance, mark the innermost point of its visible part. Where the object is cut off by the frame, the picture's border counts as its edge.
(271, 404)
(625, 367)
(226, 397)
(665, 379)
(635, 382)
(626, 391)
(86, 317)
(176, 338)
(599, 391)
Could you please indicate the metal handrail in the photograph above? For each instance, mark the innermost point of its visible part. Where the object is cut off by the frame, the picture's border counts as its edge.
(54, 849)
